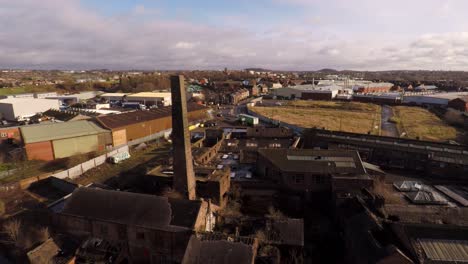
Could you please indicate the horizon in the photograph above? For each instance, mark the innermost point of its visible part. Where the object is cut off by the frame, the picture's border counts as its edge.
(280, 35)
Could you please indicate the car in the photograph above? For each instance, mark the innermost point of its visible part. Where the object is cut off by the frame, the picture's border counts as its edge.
(248, 175)
(220, 167)
(236, 157)
(232, 175)
(225, 156)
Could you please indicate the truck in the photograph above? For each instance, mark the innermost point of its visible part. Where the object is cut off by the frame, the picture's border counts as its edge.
(248, 119)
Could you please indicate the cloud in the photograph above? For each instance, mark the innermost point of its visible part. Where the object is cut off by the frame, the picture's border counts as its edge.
(66, 34)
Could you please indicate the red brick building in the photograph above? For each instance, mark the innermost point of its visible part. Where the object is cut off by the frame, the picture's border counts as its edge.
(460, 104)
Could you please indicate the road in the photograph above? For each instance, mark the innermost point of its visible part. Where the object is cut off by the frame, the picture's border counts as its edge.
(389, 129)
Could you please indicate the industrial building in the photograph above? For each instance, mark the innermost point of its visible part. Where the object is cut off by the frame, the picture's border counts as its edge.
(134, 125)
(114, 97)
(373, 87)
(310, 92)
(70, 99)
(151, 98)
(311, 170)
(17, 109)
(460, 104)
(433, 99)
(61, 140)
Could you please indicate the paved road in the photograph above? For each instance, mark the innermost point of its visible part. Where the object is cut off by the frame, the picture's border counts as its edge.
(389, 129)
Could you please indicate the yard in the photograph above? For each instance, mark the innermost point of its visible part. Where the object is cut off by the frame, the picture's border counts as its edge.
(420, 123)
(338, 116)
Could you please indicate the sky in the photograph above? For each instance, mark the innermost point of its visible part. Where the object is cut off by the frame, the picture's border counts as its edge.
(214, 34)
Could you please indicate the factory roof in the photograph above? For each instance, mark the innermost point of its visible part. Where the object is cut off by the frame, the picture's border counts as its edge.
(217, 248)
(315, 161)
(310, 87)
(433, 243)
(54, 131)
(135, 117)
(150, 95)
(114, 94)
(133, 209)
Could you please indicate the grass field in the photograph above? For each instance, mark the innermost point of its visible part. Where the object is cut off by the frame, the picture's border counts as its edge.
(418, 122)
(344, 116)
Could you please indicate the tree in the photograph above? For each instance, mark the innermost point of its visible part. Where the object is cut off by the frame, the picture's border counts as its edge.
(12, 229)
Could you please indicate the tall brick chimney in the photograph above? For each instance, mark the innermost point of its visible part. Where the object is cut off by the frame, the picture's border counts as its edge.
(184, 176)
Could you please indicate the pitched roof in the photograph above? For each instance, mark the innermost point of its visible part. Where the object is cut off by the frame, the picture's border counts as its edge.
(290, 231)
(54, 131)
(315, 161)
(133, 209)
(202, 249)
(135, 117)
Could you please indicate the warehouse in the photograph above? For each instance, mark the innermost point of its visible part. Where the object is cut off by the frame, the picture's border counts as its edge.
(61, 140)
(114, 97)
(309, 92)
(437, 99)
(373, 87)
(135, 125)
(150, 98)
(17, 109)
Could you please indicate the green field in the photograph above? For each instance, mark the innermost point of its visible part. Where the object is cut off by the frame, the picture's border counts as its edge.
(339, 116)
(26, 89)
(418, 122)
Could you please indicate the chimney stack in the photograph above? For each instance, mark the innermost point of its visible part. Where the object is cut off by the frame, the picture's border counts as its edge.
(184, 176)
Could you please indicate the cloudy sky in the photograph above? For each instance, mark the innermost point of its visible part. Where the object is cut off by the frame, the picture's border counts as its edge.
(213, 34)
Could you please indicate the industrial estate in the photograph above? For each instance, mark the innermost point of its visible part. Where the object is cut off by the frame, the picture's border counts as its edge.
(232, 167)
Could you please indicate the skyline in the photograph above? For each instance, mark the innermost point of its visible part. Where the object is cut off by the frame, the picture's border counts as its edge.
(273, 34)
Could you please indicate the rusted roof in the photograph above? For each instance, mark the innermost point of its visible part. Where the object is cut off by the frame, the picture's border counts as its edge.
(135, 117)
(227, 251)
(133, 209)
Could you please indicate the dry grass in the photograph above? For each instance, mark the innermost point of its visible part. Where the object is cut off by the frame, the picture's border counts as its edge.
(418, 122)
(339, 116)
(386, 190)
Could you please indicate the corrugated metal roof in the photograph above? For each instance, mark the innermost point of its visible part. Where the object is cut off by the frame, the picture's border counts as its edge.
(150, 95)
(445, 250)
(54, 131)
(135, 117)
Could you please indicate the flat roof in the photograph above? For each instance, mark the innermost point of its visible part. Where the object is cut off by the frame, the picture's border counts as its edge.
(150, 94)
(54, 131)
(315, 161)
(114, 94)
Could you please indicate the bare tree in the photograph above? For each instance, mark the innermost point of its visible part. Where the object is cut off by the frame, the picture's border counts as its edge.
(13, 229)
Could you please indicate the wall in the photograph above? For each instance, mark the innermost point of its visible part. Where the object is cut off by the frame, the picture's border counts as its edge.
(10, 133)
(40, 151)
(6, 111)
(317, 95)
(72, 146)
(119, 137)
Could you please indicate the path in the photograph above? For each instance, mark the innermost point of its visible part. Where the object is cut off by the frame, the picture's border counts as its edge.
(389, 129)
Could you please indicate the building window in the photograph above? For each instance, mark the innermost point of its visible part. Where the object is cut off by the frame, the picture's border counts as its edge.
(274, 145)
(140, 236)
(299, 178)
(103, 229)
(3, 135)
(320, 179)
(250, 144)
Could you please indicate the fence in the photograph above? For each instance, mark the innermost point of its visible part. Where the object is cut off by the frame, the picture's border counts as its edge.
(80, 169)
(71, 173)
(296, 129)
